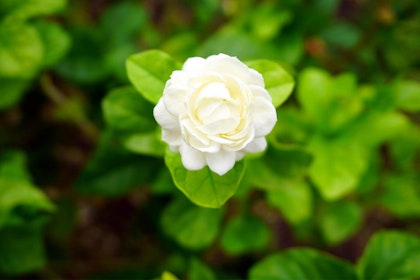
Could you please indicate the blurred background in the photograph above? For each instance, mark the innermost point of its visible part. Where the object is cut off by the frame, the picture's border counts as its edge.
(78, 202)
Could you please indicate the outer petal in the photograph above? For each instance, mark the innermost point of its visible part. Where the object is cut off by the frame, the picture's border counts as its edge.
(221, 162)
(194, 66)
(172, 137)
(191, 158)
(164, 118)
(257, 145)
(176, 92)
(263, 112)
(232, 66)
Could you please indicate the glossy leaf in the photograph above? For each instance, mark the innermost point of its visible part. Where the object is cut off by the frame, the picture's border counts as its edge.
(278, 82)
(302, 264)
(390, 255)
(148, 72)
(191, 226)
(203, 187)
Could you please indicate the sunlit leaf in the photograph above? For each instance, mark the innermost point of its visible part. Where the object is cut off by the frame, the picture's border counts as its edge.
(337, 166)
(277, 81)
(148, 72)
(204, 187)
(21, 50)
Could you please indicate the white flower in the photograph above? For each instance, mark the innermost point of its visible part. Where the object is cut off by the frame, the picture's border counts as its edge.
(213, 111)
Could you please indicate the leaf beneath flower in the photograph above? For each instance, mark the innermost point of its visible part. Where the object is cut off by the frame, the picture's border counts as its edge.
(203, 187)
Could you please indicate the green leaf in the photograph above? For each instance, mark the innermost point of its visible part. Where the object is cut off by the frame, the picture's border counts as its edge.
(32, 8)
(293, 199)
(113, 171)
(200, 271)
(390, 255)
(406, 147)
(191, 226)
(301, 264)
(382, 126)
(130, 18)
(342, 34)
(13, 166)
(148, 72)
(12, 91)
(21, 51)
(314, 92)
(278, 81)
(337, 166)
(21, 203)
(408, 95)
(148, 144)
(126, 110)
(339, 221)
(266, 21)
(21, 250)
(401, 195)
(330, 102)
(244, 234)
(55, 40)
(203, 187)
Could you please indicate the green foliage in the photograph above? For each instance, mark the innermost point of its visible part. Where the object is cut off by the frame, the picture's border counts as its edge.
(191, 226)
(27, 47)
(203, 187)
(390, 255)
(24, 209)
(277, 81)
(149, 71)
(88, 190)
(238, 238)
(301, 264)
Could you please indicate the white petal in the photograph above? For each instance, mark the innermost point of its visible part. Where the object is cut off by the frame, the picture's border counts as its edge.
(263, 113)
(221, 162)
(174, 97)
(232, 66)
(191, 158)
(194, 66)
(172, 137)
(164, 118)
(257, 145)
